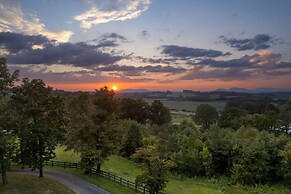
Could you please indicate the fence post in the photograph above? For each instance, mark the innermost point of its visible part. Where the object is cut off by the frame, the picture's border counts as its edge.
(64, 164)
(144, 189)
(52, 163)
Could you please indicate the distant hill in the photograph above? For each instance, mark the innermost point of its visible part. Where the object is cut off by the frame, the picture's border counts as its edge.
(134, 91)
(254, 91)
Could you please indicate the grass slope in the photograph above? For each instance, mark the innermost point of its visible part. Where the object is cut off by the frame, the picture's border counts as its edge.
(177, 185)
(29, 184)
(66, 156)
(180, 118)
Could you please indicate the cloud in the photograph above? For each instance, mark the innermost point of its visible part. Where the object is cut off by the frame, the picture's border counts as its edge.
(112, 11)
(12, 19)
(263, 64)
(258, 42)
(186, 52)
(14, 42)
(77, 54)
(72, 77)
(144, 34)
(221, 74)
(233, 63)
(110, 40)
(138, 71)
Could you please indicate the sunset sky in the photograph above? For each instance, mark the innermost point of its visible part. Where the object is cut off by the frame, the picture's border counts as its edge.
(151, 44)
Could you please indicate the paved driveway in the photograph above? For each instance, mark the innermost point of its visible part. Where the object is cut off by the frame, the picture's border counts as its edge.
(75, 183)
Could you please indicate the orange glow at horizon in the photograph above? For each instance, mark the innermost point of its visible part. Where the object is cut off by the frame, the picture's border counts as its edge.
(199, 85)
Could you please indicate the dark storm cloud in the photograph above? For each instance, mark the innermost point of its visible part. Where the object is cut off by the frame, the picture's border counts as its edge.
(258, 42)
(187, 52)
(14, 42)
(77, 54)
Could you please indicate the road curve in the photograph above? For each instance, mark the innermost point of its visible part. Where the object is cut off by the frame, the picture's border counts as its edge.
(75, 183)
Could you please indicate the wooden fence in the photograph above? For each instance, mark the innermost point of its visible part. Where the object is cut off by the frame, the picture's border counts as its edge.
(108, 175)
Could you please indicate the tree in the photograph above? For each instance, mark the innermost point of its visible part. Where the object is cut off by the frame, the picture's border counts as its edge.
(205, 115)
(92, 128)
(250, 160)
(156, 170)
(134, 109)
(41, 122)
(264, 121)
(7, 147)
(285, 153)
(132, 137)
(160, 114)
(220, 144)
(284, 116)
(7, 80)
(231, 117)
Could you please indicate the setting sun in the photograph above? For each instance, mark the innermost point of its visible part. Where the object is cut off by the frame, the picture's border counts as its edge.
(114, 88)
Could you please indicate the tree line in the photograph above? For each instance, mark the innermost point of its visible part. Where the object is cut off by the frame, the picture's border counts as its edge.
(247, 142)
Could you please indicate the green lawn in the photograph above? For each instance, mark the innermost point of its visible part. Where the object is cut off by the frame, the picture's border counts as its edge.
(121, 167)
(180, 118)
(66, 156)
(129, 170)
(189, 105)
(29, 184)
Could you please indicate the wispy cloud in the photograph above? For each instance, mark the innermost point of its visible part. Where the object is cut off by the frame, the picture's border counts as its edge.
(113, 11)
(12, 19)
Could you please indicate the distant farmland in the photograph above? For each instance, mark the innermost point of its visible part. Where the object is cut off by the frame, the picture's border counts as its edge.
(188, 105)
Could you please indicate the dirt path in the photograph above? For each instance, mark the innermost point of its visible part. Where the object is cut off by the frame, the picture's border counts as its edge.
(75, 183)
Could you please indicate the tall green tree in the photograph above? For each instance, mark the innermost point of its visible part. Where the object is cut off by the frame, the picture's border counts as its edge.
(205, 115)
(231, 117)
(132, 137)
(156, 170)
(7, 79)
(41, 124)
(134, 109)
(160, 114)
(92, 128)
(7, 147)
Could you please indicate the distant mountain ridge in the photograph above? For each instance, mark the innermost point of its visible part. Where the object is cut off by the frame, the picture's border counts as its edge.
(254, 91)
(234, 89)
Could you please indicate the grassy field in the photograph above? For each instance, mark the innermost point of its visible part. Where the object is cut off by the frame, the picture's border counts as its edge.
(180, 118)
(29, 184)
(66, 156)
(177, 185)
(188, 105)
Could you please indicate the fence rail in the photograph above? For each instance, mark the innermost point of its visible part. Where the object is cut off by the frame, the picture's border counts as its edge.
(108, 175)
